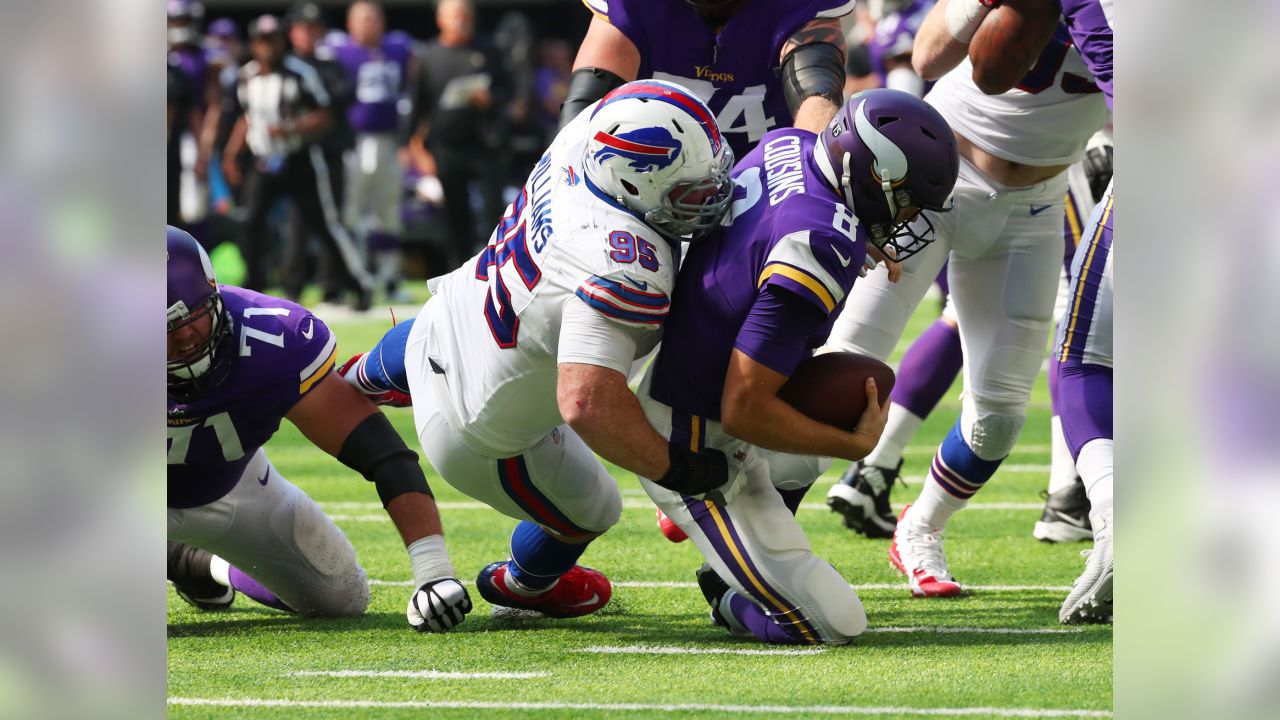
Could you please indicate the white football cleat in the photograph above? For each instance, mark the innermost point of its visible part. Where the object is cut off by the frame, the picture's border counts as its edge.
(1090, 599)
(916, 551)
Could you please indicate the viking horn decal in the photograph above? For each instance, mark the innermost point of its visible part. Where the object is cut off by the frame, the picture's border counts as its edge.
(890, 163)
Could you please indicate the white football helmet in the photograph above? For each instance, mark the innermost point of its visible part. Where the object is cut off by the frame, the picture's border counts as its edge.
(655, 148)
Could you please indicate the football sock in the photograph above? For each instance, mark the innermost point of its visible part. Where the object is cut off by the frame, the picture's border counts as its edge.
(255, 590)
(1085, 403)
(383, 369)
(1062, 468)
(1096, 462)
(955, 475)
(752, 617)
(538, 559)
(793, 498)
(901, 426)
(928, 369)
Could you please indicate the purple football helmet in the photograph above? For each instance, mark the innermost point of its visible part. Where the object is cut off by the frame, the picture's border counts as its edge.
(193, 294)
(890, 154)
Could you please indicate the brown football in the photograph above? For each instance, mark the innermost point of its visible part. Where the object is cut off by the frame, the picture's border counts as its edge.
(1009, 42)
(831, 388)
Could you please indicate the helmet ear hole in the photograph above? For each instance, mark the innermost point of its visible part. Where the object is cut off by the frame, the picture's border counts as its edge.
(630, 188)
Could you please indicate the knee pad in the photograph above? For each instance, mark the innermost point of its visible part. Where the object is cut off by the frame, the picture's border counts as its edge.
(992, 436)
(793, 472)
(838, 613)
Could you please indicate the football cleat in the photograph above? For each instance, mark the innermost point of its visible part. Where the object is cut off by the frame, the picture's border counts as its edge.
(1091, 598)
(353, 372)
(670, 530)
(1066, 516)
(188, 570)
(714, 588)
(862, 499)
(580, 591)
(917, 553)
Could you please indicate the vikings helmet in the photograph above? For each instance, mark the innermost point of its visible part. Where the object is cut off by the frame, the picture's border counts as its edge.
(889, 153)
(655, 148)
(193, 294)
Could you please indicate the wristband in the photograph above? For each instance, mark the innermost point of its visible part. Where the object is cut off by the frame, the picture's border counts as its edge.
(430, 560)
(964, 17)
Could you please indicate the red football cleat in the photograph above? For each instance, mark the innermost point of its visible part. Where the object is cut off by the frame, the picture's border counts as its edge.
(917, 553)
(353, 372)
(581, 591)
(670, 530)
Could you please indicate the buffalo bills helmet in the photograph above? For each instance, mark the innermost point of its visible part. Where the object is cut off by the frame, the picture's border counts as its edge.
(654, 148)
(891, 155)
(193, 295)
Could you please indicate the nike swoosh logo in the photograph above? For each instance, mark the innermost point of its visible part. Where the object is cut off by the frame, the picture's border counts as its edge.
(311, 328)
(595, 598)
(844, 261)
(263, 480)
(642, 286)
(1078, 522)
(1037, 210)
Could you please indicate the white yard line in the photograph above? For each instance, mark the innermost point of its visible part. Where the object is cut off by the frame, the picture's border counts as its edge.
(421, 674)
(627, 503)
(943, 630)
(679, 584)
(687, 650)
(639, 707)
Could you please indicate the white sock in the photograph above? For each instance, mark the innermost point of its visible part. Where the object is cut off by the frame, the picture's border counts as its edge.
(220, 570)
(1095, 462)
(898, 431)
(935, 506)
(1062, 469)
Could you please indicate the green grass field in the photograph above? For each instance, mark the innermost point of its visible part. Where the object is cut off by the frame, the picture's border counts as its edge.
(998, 651)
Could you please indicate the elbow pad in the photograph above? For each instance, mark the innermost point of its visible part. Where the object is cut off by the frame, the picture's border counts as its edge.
(586, 86)
(813, 69)
(375, 450)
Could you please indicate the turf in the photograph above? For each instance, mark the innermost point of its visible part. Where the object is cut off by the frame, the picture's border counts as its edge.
(249, 652)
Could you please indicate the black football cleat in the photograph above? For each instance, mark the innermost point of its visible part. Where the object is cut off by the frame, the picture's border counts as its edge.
(1066, 516)
(713, 589)
(188, 570)
(862, 499)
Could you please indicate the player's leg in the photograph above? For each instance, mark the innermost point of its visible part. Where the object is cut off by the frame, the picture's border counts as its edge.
(927, 371)
(1003, 272)
(317, 202)
(260, 190)
(272, 542)
(1084, 350)
(380, 373)
(387, 197)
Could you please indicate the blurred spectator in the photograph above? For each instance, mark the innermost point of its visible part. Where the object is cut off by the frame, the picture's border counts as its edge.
(453, 113)
(378, 65)
(187, 155)
(306, 30)
(522, 136)
(282, 108)
(555, 66)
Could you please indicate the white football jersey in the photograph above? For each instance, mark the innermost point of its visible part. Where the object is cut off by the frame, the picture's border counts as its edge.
(1046, 119)
(496, 331)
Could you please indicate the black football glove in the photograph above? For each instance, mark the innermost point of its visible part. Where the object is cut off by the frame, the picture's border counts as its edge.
(438, 605)
(694, 473)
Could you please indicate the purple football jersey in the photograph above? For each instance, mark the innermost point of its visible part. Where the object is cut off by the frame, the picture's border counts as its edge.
(194, 64)
(788, 229)
(281, 351)
(379, 78)
(734, 71)
(896, 34)
(1092, 34)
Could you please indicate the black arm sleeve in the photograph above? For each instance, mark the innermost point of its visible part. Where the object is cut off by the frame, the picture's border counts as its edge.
(375, 450)
(586, 86)
(813, 69)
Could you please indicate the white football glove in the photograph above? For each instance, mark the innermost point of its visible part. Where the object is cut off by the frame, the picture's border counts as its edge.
(438, 605)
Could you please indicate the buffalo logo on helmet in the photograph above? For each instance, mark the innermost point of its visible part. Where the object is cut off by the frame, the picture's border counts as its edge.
(649, 148)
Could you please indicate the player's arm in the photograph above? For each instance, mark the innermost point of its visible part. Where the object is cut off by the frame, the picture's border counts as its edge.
(606, 59)
(230, 153)
(813, 73)
(943, 38)
(596, 352)
(770, 345)
(345, 424)
(1009, 42)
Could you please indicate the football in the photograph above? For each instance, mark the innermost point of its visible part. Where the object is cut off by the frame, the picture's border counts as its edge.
(1023, 27)
(830, 388)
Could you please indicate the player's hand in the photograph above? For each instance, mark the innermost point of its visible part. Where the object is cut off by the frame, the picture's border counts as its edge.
(438, 605)
(873, 419)
(887, 256)
(694, 473)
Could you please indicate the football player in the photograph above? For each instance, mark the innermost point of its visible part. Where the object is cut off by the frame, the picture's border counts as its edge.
(517, 365)
(1003, 243)
(750, 304)
(758, 64)
(238, 363)
(1084, 347)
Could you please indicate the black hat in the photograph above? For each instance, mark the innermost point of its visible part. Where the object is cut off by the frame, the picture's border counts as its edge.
(305, 12)
(265, 26)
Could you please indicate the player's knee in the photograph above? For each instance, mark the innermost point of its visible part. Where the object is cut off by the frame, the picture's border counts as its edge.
(839, 611)
(992, 436)
(346, 595)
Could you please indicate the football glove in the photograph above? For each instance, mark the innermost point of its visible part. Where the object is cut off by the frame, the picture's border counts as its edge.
(438, 605)
(694, 473)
